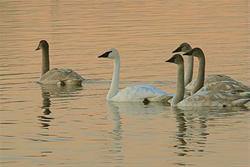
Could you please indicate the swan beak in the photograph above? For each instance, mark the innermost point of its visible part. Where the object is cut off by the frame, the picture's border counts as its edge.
(37, 48)
(177, 50)
(171, 60)
(105, 55)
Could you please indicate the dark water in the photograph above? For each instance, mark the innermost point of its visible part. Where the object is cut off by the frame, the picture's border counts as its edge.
(48, 126)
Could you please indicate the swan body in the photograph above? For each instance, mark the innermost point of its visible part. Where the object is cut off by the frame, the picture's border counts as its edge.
(217, 79)
(219, 94)
(61, 77)
(56, 76)
(214, 82)
(136, 93)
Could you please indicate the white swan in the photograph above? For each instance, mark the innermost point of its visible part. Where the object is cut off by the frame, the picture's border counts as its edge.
(56, 76)
(189, 83)
(137, 93)
(220, 97)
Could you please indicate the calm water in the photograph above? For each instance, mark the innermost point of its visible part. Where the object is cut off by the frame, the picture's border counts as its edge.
(48, 126)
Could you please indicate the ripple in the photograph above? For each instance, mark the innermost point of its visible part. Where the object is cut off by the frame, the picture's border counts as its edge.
(50, 126)
(6, 149)
(7, 123)
(8, 162)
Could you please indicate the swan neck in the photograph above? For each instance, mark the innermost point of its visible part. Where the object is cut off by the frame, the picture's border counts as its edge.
(114, 87)
(45, 60)
(180, 88)
(201, 74)
(189, 70)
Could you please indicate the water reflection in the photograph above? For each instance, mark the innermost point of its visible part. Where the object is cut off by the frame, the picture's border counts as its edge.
(117, 110)
(54, 92)
(136, 108)
(191, 132)
(45, 119)
(116, 148)
(192, 127)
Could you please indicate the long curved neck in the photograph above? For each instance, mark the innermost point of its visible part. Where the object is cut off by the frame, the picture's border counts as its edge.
(189, 70)
(201, 74)
(180, 88)
(45, 60)
(114, 87)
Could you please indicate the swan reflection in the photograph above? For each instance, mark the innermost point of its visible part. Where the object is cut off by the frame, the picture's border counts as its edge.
(45, 119)
(116, 111)
(136, 108)
(192, 127)
(116, 132)
(191, 132)
(49, 92)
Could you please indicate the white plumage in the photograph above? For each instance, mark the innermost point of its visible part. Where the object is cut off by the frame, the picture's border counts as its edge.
(140, 93)
(137, 93)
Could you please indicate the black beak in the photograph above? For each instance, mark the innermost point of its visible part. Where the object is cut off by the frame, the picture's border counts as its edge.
(171, 60)
(38, 48)
(189, 53)
(104, 55)
(177, 50)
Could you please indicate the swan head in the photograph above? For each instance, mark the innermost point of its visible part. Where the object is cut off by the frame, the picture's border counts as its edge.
(42, 45)
(177, 59)
(184, 47)
(197, 52)
(111, 54)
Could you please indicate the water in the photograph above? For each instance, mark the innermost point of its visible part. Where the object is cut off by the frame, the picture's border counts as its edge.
(47, 126)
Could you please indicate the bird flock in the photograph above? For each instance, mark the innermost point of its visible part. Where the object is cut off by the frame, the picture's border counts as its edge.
(213, 90)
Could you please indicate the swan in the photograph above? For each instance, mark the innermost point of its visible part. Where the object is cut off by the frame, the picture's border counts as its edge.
(204, 96)
(214, 82)
(185, 47)
(56, 76)
(136, 93)
(189, 84)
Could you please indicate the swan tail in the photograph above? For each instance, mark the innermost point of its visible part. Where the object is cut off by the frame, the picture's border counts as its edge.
(60, 83)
